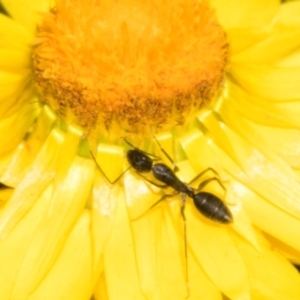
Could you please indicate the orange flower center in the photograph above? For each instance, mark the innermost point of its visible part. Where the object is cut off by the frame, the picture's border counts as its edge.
(129, 64)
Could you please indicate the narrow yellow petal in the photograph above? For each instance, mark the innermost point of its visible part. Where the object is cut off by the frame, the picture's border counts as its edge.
(289, 14)
(100, 292)
(13, 35)
(30, 16)
(281, 41)
(12, 81)
(110, 160)
(160, 254)
(215, 250)
(272, 138)
(197, 276)
(11, 253)
(270, 82)
(15, 167)
(14, 59)
(239, 103)
(267, 216)
(14, 170)
(270, 50)
(67, 154)
(65, 208)
(19, 122)
(291, 60)
(36, 180)
(119, 251)
(71, 273)
(140, 195)
(271, 276)
(5, 194)
(288, 252)
(103, 207)
(12, 101)
(249, 13)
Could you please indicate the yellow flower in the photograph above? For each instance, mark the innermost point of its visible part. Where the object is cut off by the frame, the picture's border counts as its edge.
(77, 77)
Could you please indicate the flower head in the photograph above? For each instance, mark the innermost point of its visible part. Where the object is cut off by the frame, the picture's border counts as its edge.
(200, 85)
(129, 64)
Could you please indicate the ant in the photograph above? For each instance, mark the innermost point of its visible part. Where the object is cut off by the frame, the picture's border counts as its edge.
(209, 205)
(206, 203)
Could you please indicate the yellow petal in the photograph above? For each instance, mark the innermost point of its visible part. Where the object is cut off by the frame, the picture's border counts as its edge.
(11, 254)
(119, 251)
(110, 161)
(12, 82)
(72, 273)
(271, 82)
(280, 42)
(288, 252)
(245, 14)
(13, 35)
(271, 276)
(217, 253)
(267, 216)
(140, 195)
(100, 292)
(14, 170)
(19, 122)
(36, 180)
(239, 103)
(197, 277)
(159, 255)
(103, 207)
(65, 208)
(30, 16)
(289, 14)
(14, 59)
(286, 143)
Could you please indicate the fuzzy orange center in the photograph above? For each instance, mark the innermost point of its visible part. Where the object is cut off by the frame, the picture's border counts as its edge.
(131, 63)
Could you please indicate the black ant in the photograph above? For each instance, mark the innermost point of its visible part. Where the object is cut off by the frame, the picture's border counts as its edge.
(206, 203)
(209, 205)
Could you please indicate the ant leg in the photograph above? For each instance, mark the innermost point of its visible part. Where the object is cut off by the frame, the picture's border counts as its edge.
(182, 212)
(111, 182)
(153, 205)
(205, 182)
(149, 154)
(152, 182)
(166, 154)
(4, 186)
(202, 173)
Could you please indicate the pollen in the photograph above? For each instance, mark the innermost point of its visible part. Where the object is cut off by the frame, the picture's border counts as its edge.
(131, 63)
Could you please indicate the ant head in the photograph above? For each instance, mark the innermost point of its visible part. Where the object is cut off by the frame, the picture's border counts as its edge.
(139, 161)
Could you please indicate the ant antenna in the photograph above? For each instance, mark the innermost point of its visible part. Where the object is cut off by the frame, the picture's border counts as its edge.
(154, 157)
(175, 168)
(213, 178)
(100, 169)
